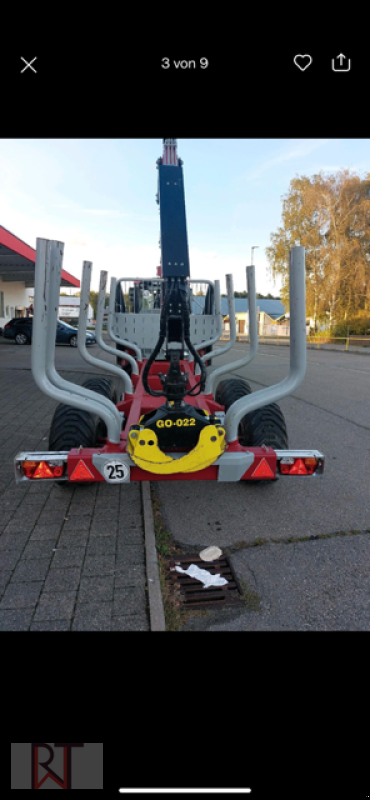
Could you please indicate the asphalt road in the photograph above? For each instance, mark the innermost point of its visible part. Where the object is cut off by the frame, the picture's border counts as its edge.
(314, 584)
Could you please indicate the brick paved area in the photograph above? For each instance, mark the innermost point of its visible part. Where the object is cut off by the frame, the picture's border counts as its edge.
(71, 558)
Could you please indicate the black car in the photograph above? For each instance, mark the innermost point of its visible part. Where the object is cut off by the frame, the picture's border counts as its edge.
(20, 329)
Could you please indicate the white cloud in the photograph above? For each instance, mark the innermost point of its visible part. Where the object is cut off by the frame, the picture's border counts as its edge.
(292, 150)
(212, 266)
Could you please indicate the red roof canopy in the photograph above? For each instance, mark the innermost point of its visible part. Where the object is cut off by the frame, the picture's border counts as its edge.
(17, 261)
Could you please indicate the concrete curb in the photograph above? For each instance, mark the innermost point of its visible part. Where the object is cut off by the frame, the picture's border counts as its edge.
(157, 619)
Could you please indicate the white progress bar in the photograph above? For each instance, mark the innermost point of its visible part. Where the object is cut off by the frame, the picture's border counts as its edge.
(184, 791)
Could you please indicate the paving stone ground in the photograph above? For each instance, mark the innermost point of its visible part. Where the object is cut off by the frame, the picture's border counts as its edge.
(71, 558)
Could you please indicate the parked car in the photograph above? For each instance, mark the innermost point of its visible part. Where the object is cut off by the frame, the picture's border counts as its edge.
(20, 329)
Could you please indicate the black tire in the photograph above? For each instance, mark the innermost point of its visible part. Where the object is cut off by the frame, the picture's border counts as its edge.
(265, 425)
(127, 368)
(72, 427)
(73, 341)
(229, 391)
(21, 338)
(106, 387)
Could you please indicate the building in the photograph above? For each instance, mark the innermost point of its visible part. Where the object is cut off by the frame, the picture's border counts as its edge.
(270, 312)
(69, 308)
(17, 273)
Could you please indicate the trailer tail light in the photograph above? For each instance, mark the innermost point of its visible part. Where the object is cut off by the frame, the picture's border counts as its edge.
(41, 466)
(43, 469)
(291, 466)
(300, 463)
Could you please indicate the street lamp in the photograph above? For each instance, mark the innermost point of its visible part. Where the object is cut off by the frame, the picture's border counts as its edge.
(253, 248)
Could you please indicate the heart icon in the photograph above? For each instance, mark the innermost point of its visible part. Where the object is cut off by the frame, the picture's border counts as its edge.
(302, 62)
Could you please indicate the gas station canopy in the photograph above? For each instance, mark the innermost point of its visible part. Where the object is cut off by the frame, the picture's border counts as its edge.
(17, 262)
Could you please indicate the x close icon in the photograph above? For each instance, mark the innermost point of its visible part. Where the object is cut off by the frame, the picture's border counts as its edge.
(28, 64)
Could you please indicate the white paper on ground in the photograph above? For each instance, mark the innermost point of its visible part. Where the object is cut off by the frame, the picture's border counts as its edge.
(203, 575)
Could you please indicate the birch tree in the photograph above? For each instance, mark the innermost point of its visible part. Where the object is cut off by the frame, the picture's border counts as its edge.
(330, 216)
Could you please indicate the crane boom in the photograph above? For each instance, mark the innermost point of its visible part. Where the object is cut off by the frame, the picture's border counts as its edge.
(171, 199)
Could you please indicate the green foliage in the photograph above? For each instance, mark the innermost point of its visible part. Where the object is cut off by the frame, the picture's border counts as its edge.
(358, 324)
(330, 216)
(93, 300)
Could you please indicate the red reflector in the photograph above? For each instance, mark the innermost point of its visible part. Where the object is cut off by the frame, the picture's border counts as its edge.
(263, 470)
(298, 468)
(81, 473)
(43, 471)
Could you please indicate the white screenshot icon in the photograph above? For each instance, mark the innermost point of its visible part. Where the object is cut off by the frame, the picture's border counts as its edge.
(184, 791)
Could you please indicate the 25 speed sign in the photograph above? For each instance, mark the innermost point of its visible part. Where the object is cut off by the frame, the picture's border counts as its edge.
(116, 472)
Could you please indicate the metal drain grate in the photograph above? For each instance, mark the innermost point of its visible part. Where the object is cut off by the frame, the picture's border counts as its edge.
(191, 592)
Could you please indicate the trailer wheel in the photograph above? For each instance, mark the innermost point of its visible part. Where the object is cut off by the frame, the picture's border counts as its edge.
(229, 391)
(265, 425)
(72, 427)
(127, 368)
(106, 387)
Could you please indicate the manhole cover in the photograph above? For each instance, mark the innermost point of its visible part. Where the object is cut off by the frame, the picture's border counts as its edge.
(192, 593)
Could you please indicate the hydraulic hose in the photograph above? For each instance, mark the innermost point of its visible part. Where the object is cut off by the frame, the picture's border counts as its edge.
(148, 364)
(186, 319)
(194, 353)
(162, 336)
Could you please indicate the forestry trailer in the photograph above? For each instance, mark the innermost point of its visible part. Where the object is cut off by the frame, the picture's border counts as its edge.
(162, 412)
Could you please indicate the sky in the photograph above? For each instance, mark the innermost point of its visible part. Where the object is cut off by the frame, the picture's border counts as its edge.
(98, 197)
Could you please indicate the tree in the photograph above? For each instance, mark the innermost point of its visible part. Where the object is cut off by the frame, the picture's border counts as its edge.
(258, 296)
(330, 216)
(93, 300)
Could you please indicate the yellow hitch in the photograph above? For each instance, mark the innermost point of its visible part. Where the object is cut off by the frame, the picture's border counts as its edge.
(143, 448)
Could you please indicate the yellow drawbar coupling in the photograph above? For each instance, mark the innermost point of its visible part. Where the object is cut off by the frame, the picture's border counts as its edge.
(143, 448)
